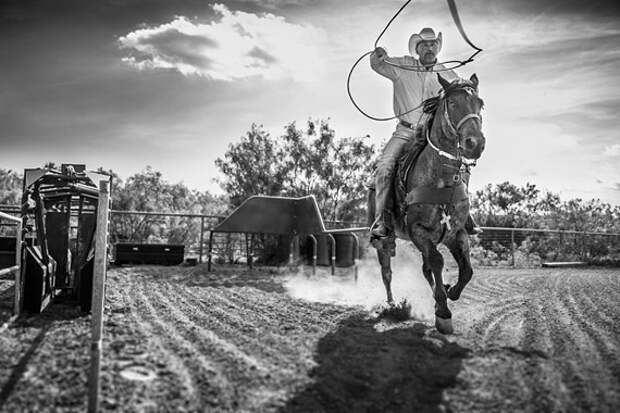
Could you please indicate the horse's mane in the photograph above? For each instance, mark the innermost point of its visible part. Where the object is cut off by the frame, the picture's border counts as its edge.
(430, 104)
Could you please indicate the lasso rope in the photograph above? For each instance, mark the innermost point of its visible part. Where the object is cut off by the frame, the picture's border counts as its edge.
(414, 68)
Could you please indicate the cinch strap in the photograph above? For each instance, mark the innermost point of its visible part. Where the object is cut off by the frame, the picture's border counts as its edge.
(427, 195)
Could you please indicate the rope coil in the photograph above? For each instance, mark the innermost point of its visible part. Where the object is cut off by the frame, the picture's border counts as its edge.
(414, 68)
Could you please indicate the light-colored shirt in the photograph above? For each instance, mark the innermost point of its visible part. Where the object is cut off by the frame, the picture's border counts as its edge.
(410, 87)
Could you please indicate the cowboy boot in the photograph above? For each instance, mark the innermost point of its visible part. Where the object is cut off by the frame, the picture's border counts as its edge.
(381, 228)
(471, 227)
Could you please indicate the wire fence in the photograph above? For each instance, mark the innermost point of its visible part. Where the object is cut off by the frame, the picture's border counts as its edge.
(519, 247)
(531, 247)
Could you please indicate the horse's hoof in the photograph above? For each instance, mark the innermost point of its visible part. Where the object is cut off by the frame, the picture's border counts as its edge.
(444, 325)
(450, 292)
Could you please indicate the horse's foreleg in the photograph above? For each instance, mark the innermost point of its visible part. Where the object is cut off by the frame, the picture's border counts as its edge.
(459, 248)
(386, 273)
(441, 297)
(428, 273)
(433, 259)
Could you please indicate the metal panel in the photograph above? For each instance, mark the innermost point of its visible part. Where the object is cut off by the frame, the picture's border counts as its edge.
(274, 215)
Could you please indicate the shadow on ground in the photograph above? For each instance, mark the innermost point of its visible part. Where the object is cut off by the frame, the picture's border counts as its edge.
(360, 369)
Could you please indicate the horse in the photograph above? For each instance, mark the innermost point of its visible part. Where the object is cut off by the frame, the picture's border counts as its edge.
(434, 206)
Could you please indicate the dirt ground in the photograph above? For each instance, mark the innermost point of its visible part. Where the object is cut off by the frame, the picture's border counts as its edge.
(181, 339)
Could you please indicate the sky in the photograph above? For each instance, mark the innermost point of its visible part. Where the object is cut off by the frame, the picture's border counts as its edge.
(124, 84)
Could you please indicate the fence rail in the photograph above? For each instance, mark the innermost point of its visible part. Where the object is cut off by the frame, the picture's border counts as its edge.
(495, 246)
(521, 247)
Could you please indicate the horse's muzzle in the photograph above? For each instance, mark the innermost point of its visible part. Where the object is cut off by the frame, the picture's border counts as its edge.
(473, 146)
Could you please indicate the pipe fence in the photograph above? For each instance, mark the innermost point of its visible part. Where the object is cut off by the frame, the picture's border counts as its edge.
(495, 246)
(525, 247)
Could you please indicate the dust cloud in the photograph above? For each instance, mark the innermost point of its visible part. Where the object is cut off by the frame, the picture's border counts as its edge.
(407, 283)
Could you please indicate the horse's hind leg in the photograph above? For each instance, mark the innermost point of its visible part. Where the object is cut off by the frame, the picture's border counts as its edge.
(386, 272)
(459, 247)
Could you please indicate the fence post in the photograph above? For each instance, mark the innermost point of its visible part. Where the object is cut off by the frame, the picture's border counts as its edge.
(98, 293)
(356, 253)
(248, 250)
(210, 255)
(583, 247)
(314, 252)
(333, 252)
(293, 257)
(512, 245)
(19, 283)
(202, 237)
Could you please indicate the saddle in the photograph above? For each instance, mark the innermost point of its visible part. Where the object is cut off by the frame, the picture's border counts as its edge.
(412, 150)
(407, 160)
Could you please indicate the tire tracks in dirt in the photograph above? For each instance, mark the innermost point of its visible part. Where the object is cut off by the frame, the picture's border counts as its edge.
(196, 373)
(235, 365)
(565, 347)
(167, 354)
(239, 327)
(601, 347)
(200, 327)
(271, 365)
(277, 306)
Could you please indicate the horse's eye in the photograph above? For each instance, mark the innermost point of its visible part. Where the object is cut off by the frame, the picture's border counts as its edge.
(451, 102)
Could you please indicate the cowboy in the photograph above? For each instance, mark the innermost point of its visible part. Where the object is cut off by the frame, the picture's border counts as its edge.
(411, 88)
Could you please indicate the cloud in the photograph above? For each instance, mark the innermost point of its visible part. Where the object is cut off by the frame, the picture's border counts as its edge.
(613, 150)
(276, 4)
(234, 46)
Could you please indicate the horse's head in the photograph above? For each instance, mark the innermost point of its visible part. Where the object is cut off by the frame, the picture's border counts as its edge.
(460, 107)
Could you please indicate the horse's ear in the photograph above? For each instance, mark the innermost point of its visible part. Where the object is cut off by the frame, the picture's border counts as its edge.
(444, 83)
(474, 79)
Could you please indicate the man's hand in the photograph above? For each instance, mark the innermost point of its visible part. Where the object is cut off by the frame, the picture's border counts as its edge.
(380, 53)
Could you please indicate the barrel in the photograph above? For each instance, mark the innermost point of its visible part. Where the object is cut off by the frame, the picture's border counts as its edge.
(345, 249)
(323, 250)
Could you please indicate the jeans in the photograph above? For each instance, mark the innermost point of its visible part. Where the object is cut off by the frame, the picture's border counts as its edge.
(386, 168)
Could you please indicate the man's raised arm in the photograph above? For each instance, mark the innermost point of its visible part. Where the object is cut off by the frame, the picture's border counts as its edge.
(378, 64)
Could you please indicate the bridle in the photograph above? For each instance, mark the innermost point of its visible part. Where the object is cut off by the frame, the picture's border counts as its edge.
(455, 131)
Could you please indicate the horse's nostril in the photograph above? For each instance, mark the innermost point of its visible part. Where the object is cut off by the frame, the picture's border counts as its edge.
(470, 144)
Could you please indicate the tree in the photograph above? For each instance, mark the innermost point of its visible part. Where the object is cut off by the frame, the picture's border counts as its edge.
(253, 166)
(301, 163)
(507, 205)
(148, 191)
(116, 185)
(10, 187)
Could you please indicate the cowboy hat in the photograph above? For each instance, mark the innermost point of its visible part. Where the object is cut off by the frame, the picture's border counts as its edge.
(427, 34)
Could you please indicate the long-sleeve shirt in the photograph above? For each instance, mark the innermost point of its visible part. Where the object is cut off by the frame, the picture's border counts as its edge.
(410, 87)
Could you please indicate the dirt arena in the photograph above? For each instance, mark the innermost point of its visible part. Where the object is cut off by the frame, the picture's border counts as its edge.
(181, 339)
